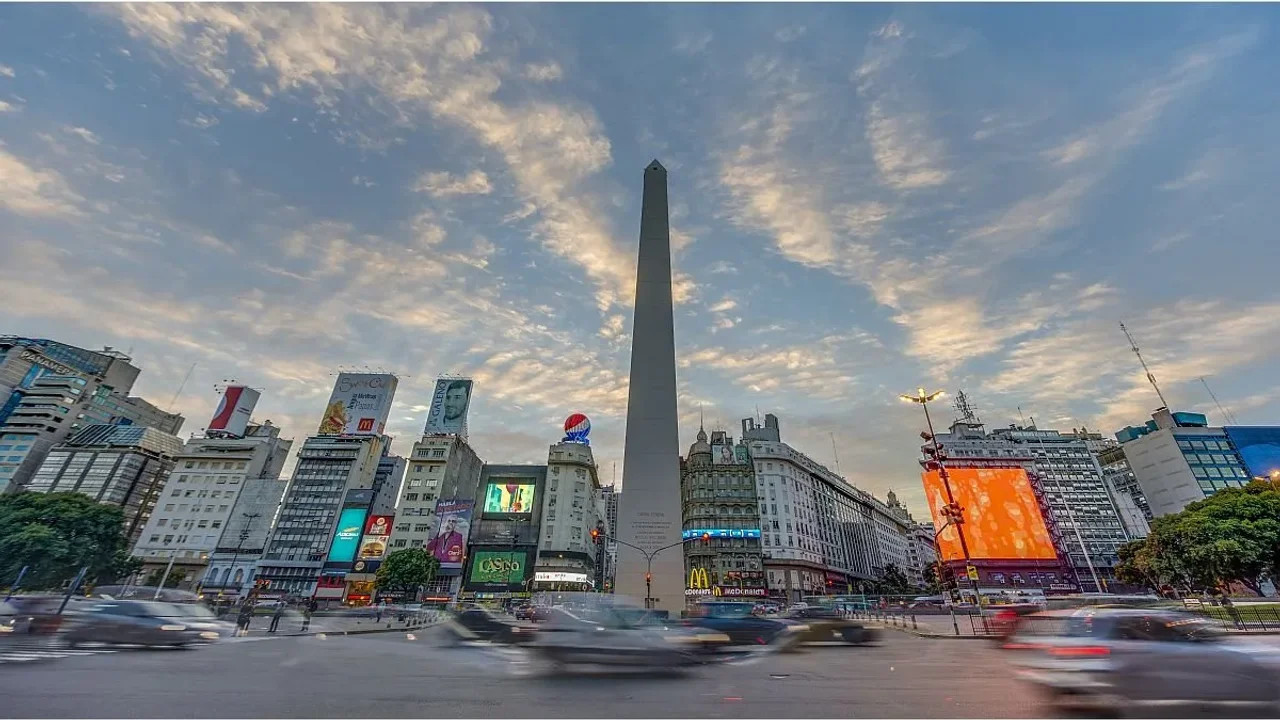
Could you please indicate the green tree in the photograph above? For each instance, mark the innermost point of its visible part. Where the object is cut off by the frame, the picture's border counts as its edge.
(176, 577)
(55, 534)
(893, 581)
(1232, 536)
(407, 571)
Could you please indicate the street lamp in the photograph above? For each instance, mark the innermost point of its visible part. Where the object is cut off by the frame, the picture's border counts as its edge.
(953, 513)
(244, 535)
(648, 560)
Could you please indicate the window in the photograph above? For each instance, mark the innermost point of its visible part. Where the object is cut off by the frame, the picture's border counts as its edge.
(438, 452)
(411, 496)
(204, 465)
(154, 538)
(419, 527)
(401, 542)
(203, 523)
(162, 522)
(432, 468)
(216, 524)
(415, 482)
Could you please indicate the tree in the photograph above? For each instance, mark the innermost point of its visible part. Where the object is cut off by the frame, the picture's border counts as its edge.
(893, 581)
(175, 578)
(53, 535)
(407, 571)
(1232, 536)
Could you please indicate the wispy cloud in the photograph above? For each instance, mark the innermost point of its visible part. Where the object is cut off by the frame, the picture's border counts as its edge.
(441, 183)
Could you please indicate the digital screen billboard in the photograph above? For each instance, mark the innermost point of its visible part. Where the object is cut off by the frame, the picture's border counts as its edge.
(377, 532)
(359, 404)
(1259, 447)
(1002, 520)
(509, 497)
(234, 409)
(497, 569)
(449, 531)
(347, 536)
(449, 405)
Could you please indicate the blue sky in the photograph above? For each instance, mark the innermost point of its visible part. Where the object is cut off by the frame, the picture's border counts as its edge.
(864, 199)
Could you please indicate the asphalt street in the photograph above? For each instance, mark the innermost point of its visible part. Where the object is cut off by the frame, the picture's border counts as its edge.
(410, 675)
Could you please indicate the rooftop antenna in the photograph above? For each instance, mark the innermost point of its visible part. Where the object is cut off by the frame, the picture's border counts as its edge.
(185, 378)
(1021, 419)
(615, 475)
(835, 454)
(1230, 416)
(966, 410)
(1152, 378)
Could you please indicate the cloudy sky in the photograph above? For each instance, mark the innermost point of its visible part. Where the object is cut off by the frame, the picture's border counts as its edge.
(864, 199)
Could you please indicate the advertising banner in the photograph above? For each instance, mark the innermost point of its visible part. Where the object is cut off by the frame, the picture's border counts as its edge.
(740, 452)
(509, 497)
(1002, 519)
(377, 532)
(347, 536)
(1259, 448)
(359, 404)
(234, 409)
(723, 455)
(449, 405)
(449, 531)
(496, 569)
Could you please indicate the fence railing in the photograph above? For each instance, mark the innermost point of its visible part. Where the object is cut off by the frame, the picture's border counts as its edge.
(1243, 618)
(973, 622)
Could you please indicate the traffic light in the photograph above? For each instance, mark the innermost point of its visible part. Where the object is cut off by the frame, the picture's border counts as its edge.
(595, 535)
(706, 537)
(648, 576)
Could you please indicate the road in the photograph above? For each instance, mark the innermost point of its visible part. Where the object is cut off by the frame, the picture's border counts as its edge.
(410, 675)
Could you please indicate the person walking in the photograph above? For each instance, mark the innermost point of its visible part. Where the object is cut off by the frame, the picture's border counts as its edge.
(275, 616)
(244, 618)
(307, 609)
(377, 617)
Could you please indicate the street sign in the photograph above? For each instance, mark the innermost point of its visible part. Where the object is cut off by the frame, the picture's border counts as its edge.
(972, 571)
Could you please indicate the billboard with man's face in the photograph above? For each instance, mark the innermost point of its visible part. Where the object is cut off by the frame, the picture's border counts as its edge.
(359, 404)
(449, 405)
(449, 531)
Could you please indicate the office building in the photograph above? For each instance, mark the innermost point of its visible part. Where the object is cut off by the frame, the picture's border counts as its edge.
(922, 554)
(244, 536)
(896, 531)
(568, 559)
(650, 517)
(362, 578)
(611, 496)
(1177, 459)
(125, 465)
(49, 391)
(818, 531)
(439, 466)
(1126, 494)
(504, 534)
(194, 511)
(721, 520)
(1068, 483)
(332, 496)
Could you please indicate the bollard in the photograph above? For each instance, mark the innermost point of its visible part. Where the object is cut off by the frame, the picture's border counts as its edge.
(913, 623)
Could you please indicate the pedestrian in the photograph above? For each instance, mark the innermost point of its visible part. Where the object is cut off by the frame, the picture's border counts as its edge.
(275, 616)
(377, 617)
(244, 618)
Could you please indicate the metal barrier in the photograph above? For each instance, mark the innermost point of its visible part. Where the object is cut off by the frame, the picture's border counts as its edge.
(1243, 618)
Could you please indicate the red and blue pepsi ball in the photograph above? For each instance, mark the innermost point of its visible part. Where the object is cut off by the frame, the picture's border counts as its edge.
(576, 428)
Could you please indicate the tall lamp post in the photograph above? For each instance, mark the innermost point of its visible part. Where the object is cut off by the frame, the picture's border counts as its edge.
(953, 512)
(648, 559)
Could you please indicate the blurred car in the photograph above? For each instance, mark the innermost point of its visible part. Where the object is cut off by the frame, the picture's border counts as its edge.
(608, 630)
(12, 621)
(1144, 660)
(523, 611)
(827, 624)
(738, 621)
(138, 622)
(200, 617)
(474, 623)
(38, 614)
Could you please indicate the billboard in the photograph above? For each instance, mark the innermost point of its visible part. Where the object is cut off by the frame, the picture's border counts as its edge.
(1259, 447)
(449, 404)
(1002, 520)
(347, 536)
(234, 409)
(509, 497)
(577, 428)
(359, 404)
(377, 532)
(723, 455)
(498, 569)
(449, 531)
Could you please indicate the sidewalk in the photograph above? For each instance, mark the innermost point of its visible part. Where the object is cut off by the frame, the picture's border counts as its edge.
(291, 624)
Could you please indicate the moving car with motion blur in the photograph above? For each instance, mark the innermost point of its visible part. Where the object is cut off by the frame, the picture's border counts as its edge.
(138, 622)
(739, 621)
(826, 623)
(1145, 660)
(475, 623)
(608, 630)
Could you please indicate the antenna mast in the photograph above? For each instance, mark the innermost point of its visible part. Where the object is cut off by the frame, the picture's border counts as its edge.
(185, 378)
(1230, 416)
(835, 454)
(1152, 378)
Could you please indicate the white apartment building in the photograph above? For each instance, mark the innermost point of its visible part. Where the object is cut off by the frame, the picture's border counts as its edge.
(192, 512)
(571, 508)
(439, 466)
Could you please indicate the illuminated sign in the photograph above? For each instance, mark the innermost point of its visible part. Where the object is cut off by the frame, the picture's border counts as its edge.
(572, 577)
(347, 537)
(698, 579)
(509, 497)
(502, 569)
(722, 533)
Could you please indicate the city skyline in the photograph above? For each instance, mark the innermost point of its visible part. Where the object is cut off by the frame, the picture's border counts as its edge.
(865, 200)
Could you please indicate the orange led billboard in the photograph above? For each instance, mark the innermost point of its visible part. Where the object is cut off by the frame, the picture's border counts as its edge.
(1001, 518)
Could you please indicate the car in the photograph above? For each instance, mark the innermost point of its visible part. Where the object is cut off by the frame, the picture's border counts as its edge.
(1138, 660)
(523, 611)
(138, 622)
(743, 626)
(12, 620)
(475, 623)
(198, 616)
(827, 624)
(610, 630)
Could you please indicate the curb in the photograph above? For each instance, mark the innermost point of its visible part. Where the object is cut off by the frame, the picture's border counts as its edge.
(934, 636)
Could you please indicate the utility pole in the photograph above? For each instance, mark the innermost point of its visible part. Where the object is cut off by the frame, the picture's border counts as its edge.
(244, 535)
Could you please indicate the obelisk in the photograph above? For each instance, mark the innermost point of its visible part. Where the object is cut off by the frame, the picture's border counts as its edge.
(649, 510)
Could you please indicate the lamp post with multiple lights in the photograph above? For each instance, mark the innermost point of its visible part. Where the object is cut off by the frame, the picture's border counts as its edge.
(952, 511)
